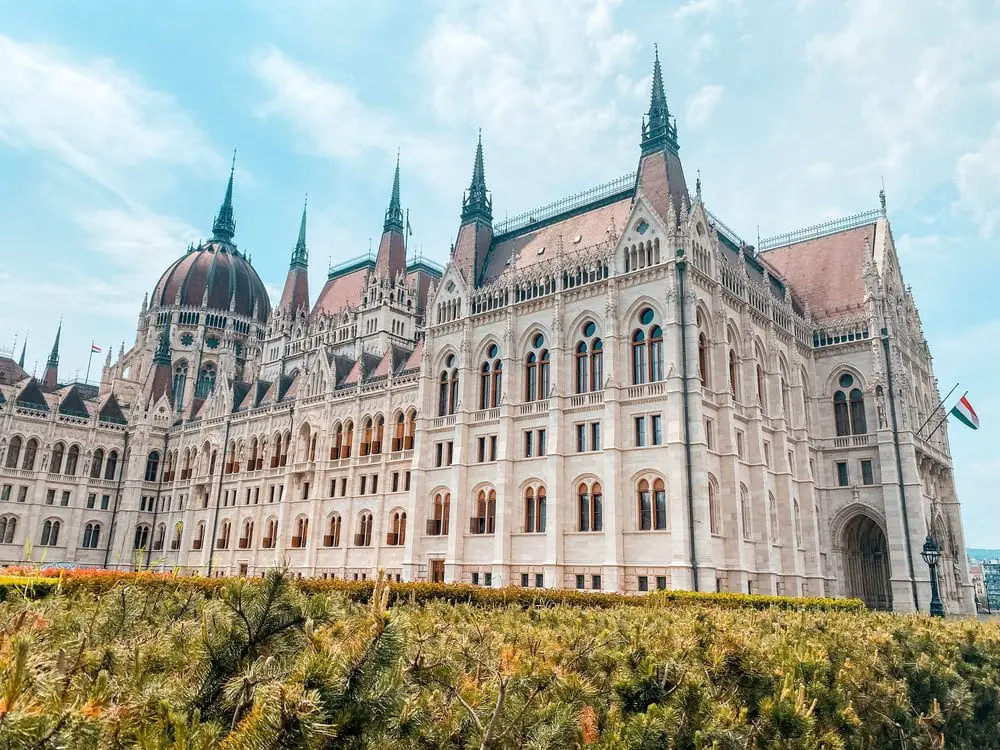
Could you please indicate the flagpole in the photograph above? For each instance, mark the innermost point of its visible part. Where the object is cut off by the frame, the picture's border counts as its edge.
(938, 426)
(87, 378)
(931, 415)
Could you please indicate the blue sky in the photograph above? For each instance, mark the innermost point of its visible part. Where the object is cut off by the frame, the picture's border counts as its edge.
(117, 121)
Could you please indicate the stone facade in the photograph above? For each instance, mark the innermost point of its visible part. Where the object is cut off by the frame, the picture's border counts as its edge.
(612, 392)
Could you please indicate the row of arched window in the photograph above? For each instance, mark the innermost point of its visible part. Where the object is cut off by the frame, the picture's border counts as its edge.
(646, 365)
(23, 454)
(49, 535)
(404, 431)
(203, 386)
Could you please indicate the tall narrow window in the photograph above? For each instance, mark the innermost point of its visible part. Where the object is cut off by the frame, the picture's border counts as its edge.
(745, 512)
(55, 465)
(849, 408)
(638, 358)
(206, 381)
(180, 382)
(703, 359)
(645, 506)
(448, 387)
(714, 510)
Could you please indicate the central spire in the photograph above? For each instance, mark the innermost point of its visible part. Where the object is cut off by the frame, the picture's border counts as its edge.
(162, 356)
(477, 203)
(658, 131)
(300, 256)
(224, 227)
(394, 214)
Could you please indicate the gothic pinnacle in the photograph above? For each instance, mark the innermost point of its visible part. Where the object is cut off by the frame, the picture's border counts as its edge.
(394, 214)
(224, 227)
(477, 204)
(300, 256)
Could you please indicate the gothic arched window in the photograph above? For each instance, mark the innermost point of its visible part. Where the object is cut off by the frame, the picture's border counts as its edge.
(536, 370)
(849, 408)
(30, 451)
(652, 499)
(647, 350)
(206, 381)
(152, 466)
(590, 506)
(72, 458)
(14, 452)
(97, 464)
(448, 391)
(589, 360)
(180, 382)
(490, 376)
(55, 465)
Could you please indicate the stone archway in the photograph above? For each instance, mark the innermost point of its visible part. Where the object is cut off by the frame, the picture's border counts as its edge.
(866, 562)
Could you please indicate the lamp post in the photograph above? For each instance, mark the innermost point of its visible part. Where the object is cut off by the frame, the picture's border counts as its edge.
(931, 553)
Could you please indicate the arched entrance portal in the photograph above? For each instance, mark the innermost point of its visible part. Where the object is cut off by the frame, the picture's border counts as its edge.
(866, 563)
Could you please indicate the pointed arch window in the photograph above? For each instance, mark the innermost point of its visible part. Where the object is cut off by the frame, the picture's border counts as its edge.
(111, 469)
(590, 506)
(536, 370)
(152, 466)
(301, 532)
(398, 431)
(652, 497)
(30, 452)
(379, 434)
(91, 535)
(246, 538)
(714, 508)
(179, 384)
(772, 509)
(72, 459)
(797, 522)
(703, 360)
(589, 360)
(364, 536)
(97, 464)
(448, 388)
(534, 510)
(55, 465)
(849, 408)
(50, 533)
(141, 538)
(8, 524)
(647, 349)
(484, 522)
(411, 431)
(745, 512)
(13, 452)
(332, 537)
(397, 529)
(206, 381)
(437, 524)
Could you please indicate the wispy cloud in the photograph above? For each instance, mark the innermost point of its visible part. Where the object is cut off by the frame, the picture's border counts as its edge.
(93, 117)
(702, 104)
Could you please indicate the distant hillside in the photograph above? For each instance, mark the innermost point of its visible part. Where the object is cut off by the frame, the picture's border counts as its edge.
(978, 553)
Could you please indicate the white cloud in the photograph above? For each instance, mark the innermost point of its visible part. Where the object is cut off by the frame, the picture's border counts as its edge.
(704, 8)
(701, 104)
(535, 74)
(93, 117)
(977, 177)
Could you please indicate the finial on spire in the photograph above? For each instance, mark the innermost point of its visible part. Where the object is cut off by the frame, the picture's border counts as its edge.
(394, 214)
(697, 185)
(657, 129)
(477, 203)
(881, 196)
(300, 256)
(224, 227)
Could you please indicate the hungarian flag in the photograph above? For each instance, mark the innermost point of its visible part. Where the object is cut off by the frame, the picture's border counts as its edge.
(965, 414)
(94, 348)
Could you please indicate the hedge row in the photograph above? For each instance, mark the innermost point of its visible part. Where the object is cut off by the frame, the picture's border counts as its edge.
(100, 581)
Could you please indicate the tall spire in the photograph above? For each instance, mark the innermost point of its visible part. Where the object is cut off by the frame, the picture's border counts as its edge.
(224, 227)
(295, 295)
(51, 376)
(24, 347)
(658, 130)
(300, 256)
(477, 203)
(394, 214)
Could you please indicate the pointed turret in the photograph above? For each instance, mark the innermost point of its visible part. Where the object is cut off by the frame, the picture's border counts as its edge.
(159, 382)
(476, 204)
(475, 235)
(391, 258)
(394, 214)
(295, 295)
(51, 377)
(224, 227)
(24, 348)
(661, 175)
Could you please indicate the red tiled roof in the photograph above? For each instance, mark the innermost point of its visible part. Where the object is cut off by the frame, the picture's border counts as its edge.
(413, 361)
(295, 295)
(341, 292)
(525, 249)
(10, 371)
(662, 180)
(825, 273)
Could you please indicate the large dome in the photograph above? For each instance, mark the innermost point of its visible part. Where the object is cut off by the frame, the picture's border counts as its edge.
(216, 266)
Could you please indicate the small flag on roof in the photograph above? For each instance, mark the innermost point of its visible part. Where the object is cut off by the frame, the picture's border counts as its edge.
(94, 348)
(965, 414)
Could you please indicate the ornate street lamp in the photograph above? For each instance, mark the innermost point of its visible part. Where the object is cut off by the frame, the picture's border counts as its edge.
(931, 553)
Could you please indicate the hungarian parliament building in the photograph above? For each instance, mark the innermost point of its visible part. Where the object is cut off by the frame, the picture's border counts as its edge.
(612, 392)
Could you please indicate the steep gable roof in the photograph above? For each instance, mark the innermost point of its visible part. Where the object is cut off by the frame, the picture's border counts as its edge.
(31, 396)
(73, 404)
(111, 411)
(826, 272)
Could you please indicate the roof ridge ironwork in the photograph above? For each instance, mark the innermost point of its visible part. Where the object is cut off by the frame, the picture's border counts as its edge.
(816, 231)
